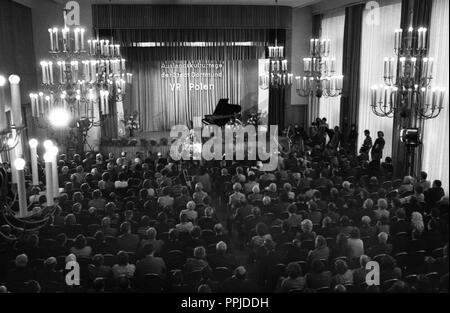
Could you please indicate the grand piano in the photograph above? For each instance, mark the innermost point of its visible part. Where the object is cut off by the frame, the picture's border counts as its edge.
(223, 113)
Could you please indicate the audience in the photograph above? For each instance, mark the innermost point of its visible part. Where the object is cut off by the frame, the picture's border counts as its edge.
(311, 225)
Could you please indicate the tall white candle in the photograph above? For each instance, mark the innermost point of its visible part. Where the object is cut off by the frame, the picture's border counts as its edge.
(55, 178)
(50, 70)
(76, 33)
(16, 104)
(82, 39)
(2, 104)
(33, 156)
(19, 164)
(48, 179)
(50, 31)
(55, 32)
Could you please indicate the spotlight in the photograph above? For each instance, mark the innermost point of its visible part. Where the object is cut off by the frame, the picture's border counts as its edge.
(84, 124)
(59, 117)
(410, 136)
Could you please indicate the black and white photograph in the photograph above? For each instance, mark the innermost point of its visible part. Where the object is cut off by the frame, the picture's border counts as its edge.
(224, 155)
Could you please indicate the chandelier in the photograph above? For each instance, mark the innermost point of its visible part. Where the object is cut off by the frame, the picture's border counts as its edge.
(81, 79)
(407, 79)
(276, 74)
(320, 78)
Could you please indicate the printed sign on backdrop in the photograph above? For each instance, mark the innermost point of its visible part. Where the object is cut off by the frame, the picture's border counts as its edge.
(195, 76)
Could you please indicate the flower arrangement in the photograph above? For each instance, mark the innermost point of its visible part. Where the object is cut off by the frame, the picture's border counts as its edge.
(131, 124)
(254, 119)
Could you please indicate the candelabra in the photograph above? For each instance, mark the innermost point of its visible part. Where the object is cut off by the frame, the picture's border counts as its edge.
(320, 79)
(407, 80)
(80, 81)
(276, 74)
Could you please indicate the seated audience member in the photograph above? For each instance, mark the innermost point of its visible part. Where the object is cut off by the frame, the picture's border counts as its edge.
(359, 274)
(165, 201)
(221, 258)
(123, 267)
(294, 280)
(80, 248)
(382, 247)
(389, 269)
(150, 264)
(261, 235)
(239, 283)
(198, 262)
(185, 225)
(366, 229)
(98, 269)
(236, 196)
(207, 221)
(321, 251)
(307, 231)
(19, 274)
(318, 277)
(199, 195)
(150, 238)
(355, 245)
(127, 241)
(190, 212)
(255, 196)
(344, 275)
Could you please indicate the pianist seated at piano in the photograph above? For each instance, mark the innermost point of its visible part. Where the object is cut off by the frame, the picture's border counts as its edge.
(223, 113)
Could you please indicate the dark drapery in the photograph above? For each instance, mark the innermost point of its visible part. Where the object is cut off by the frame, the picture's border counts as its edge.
(148, 16)
(317, 25)
(17, 51)
(16, 45)
(277, 98)
(415, 13)
(351, 63)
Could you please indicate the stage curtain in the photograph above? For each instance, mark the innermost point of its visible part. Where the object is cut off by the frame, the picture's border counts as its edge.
(377, 43)
(333, 28)
(159, 106)
(435, 156)
(351, 61)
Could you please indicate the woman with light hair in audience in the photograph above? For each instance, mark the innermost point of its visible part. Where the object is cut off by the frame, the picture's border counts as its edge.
(382, 209)
(307, 230)
(271, 191)
(417, 222)
(321, 250)
(255, 195)
(237, 196)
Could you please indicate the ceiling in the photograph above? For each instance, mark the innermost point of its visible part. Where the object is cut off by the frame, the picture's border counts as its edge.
(290, 3)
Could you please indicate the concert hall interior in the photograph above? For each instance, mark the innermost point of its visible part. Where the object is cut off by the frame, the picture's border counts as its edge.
(224, 146)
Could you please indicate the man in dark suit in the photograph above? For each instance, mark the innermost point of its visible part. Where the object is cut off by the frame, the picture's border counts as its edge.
(150, 264)
(434, 194)
(127, 241)
(221, 258)
(400, 225)
(382, 247)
